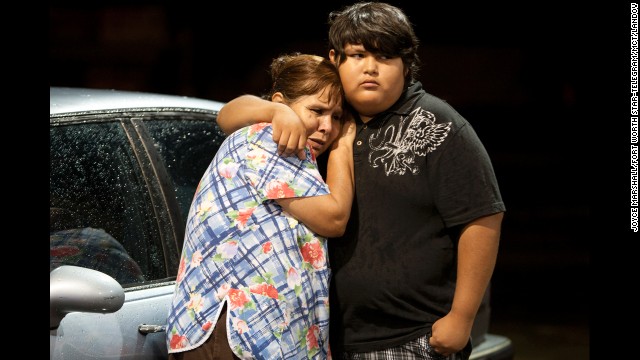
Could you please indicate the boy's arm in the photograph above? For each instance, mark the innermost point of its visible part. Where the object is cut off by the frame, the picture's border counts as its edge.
(289, 131)
(477, 253)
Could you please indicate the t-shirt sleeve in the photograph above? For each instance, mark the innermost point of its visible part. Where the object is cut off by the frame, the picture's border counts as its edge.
(277, 177)
(464, 180)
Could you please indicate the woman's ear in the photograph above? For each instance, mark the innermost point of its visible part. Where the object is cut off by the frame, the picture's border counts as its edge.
(278, 97)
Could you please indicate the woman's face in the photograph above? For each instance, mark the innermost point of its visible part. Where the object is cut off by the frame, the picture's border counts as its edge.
(321, 116)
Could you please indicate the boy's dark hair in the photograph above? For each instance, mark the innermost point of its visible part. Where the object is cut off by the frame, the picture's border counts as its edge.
(381, 28)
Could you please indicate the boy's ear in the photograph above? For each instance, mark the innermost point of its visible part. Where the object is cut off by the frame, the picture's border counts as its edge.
(332, 56)
(277, 97)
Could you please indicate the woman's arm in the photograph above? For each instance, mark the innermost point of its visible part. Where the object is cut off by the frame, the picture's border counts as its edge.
(327, 215)
(289, 131)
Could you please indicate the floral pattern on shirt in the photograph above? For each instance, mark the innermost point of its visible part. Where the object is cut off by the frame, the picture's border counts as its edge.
(241, 248)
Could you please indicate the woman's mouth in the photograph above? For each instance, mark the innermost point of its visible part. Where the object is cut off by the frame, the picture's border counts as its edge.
(316, 144)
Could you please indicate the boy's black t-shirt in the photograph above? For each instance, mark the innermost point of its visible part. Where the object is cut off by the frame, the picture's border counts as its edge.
(421, 173)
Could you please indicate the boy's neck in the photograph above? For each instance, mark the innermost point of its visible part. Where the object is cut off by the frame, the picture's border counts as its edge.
(365, 119)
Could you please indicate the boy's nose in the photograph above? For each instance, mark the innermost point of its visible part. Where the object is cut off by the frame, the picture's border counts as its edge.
(370, 65)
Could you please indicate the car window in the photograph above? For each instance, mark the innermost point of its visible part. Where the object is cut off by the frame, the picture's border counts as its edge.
(100, 211)
(186, 146)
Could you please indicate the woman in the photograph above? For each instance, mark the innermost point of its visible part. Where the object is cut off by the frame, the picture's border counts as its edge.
(254, 270)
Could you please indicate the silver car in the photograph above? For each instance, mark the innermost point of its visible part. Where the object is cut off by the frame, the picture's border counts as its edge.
(124, 167)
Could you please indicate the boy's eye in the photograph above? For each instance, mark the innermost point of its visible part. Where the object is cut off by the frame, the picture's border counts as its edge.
(386, 56)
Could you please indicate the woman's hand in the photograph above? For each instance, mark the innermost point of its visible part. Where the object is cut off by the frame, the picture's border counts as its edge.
(347, 133)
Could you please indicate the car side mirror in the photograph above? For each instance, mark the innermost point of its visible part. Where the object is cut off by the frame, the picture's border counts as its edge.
(74, 288)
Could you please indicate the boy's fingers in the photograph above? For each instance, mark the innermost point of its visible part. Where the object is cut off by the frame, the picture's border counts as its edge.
(284, 148)
(290, 144)
(302, 143)
(290, 147)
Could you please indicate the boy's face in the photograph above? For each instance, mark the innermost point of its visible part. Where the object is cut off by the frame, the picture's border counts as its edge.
(371, 82)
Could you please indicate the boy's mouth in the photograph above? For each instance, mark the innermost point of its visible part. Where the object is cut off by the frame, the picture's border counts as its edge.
(369, 84)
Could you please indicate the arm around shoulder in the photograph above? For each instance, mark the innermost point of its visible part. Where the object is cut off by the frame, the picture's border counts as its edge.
(245, 110)
(289, 132)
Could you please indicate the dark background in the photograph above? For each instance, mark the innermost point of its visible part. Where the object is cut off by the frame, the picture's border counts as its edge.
(517, 73)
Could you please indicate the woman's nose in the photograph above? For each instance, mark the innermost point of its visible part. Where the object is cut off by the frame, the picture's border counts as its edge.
(325, 124)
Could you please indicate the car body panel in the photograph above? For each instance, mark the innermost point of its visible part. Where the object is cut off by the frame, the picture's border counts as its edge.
(86, 101)
(493, 347)
(115, 335)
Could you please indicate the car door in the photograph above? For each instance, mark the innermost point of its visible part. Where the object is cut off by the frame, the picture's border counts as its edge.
(109, 174)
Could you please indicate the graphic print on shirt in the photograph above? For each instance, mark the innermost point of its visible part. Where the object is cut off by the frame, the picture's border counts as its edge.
(398, 151)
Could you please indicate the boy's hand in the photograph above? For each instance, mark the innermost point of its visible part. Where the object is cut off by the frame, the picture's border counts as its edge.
(289, 132)
(450, 334)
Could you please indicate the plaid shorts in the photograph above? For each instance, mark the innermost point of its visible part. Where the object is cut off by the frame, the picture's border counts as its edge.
(418, 349)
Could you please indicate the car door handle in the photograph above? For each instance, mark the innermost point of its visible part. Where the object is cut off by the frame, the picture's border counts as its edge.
(148, 329)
